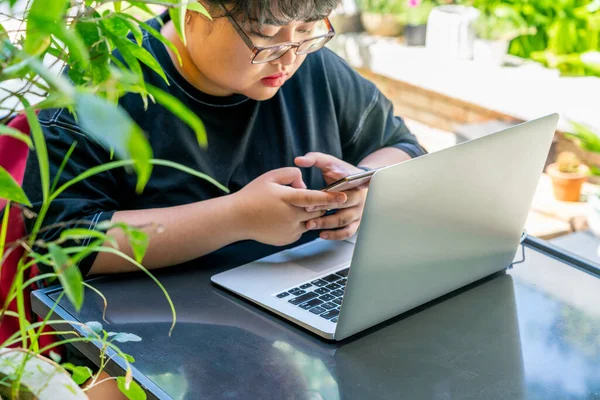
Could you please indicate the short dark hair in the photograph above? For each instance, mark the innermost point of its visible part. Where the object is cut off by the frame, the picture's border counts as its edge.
(277, 12)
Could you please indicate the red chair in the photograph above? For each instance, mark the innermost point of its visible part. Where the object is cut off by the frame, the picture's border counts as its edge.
(13, 158)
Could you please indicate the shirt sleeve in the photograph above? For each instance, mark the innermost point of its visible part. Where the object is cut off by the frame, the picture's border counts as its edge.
(84, 204)
(365, 116)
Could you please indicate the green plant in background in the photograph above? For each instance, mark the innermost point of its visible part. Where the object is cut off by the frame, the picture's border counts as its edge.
(501, 23)
(567, 32)
(587, 140)
(34, 46)
(397, 7)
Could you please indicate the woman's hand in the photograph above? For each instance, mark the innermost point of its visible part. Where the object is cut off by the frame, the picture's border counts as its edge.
(273, 208)
(345, 222)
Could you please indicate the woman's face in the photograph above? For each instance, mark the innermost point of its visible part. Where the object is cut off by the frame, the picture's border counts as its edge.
(223, 61)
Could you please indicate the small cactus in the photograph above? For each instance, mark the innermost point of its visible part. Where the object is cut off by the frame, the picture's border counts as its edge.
(568, 163)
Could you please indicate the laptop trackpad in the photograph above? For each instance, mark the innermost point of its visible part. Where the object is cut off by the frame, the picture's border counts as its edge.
(320, 255)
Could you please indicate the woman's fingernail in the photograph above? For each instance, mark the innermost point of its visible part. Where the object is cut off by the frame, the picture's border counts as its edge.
(312, 225)
(325, 236)
(340, 198)
(310, 209)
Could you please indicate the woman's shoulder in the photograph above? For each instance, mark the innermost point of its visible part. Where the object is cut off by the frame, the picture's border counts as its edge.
(333, 68)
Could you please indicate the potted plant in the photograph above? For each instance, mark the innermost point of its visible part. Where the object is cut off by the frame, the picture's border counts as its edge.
(495, 29)
(82, 35)
(417, 13)
(383, 17)
(568, 176)
(588, 140)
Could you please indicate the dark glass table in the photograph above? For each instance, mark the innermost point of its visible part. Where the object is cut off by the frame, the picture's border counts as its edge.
(530, 333)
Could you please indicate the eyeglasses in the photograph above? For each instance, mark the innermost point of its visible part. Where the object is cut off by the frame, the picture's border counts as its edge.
(267, 54)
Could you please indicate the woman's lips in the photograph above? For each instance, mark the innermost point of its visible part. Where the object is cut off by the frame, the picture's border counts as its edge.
(274, 80)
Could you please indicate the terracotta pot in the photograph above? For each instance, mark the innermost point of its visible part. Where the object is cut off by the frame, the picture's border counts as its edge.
(382, 24)
(567, 186)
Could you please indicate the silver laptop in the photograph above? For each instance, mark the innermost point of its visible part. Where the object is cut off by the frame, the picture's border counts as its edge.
(430, 226)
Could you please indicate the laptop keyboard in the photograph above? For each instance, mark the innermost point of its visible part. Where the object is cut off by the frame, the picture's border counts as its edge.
(322, 296)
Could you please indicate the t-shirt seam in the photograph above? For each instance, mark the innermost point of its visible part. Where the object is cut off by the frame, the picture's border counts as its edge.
(93, 224)
(73, 129)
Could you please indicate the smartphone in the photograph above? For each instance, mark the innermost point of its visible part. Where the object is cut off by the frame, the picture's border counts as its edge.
(350, 182)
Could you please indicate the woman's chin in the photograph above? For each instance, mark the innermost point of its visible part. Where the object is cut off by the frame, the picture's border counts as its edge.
(262, 93)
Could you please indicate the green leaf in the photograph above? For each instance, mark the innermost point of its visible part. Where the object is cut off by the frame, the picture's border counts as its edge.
(81, 374)
(8, 131)
(144, 56)
(179, 109)
(77, 48)
(177, 14)
(40, 148)
(78, 374)
(588, 140)
(123, 337)
(113, 127)
(135, 392)
(194, 6)
(133, 28)
(142, 6)
(117, 5)
(140, 151)
(157, 35)
(63, 164)
(82, 234)
(595, 170)
(90, 33)
(129, 358)
(138, 240)
(95, 326)
(116, 26)
(4, 230)
(187, 170)
(54, 100)
(130, 59)
(11, 190)
(43, 15)
(68, 274)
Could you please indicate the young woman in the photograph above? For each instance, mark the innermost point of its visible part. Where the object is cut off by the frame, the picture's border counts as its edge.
(284, 117)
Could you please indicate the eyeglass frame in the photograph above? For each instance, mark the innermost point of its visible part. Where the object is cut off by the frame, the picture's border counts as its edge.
(292, 45)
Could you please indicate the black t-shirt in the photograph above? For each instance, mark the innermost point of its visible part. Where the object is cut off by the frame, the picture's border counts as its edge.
(325, 107)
